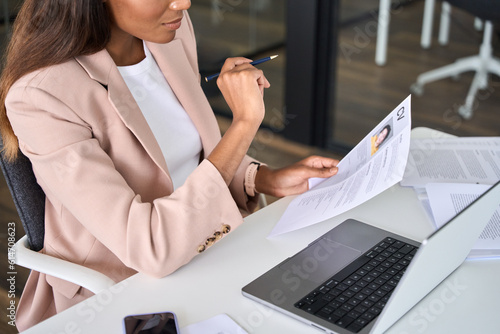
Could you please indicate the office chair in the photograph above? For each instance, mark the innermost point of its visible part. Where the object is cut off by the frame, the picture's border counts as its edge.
(444, 24)
(29, 200)
(427, 22)
(483, 63)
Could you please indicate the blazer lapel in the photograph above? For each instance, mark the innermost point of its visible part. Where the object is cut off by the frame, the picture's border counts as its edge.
(173, 62)
(101, 67)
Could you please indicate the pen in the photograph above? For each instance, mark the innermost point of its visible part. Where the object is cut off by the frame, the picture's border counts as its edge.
(259, 61)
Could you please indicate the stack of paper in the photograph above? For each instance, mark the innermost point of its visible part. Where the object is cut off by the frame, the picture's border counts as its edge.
(450, 173)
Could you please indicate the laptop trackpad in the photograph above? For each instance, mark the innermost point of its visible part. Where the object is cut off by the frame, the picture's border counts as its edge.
(320, 260)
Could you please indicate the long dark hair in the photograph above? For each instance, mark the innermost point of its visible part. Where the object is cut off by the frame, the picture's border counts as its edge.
(45, 33)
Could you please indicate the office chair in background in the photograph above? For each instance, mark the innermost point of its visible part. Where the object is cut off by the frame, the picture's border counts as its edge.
(29, 200)
(483, 64)
(444, 24)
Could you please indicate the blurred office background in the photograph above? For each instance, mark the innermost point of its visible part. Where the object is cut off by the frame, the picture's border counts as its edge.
(326, 91)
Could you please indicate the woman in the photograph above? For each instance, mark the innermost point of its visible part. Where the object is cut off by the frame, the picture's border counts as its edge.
(103, 97)
(380, 138)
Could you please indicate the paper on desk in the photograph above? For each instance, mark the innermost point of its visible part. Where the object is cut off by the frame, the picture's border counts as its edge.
(220, 324)
(453, 160)
(448, 199)
(363, 173)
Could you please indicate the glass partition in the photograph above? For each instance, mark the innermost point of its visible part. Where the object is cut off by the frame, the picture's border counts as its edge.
(248, 28)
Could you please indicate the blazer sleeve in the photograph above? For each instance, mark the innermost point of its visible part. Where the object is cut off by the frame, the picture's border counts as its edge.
(237, 188)
(76, 173)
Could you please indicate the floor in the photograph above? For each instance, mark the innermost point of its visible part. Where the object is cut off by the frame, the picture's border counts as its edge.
(365, 94)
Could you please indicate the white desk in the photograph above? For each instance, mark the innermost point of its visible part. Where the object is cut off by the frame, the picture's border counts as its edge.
(211, 284)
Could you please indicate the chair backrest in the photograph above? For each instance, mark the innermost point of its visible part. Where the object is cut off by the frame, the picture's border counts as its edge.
(28, 197)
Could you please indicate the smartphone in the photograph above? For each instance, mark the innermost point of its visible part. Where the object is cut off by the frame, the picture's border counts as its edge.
(152, 323)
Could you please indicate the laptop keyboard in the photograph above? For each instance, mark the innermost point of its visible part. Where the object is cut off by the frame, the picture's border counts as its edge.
(353, 297)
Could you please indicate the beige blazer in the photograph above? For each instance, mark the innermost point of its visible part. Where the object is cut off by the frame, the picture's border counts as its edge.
(110, 200)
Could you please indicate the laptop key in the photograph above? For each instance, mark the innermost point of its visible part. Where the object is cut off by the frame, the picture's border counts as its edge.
(368, 268)
(392, 271)
(354, 314)
(360, 296)
(361, 309)
(398, 255)
(340, 313)
(355, 327)
(398, 244)
(386, 276)
(389, 240)
(391, 249)
(335, 305)
(368, 316)
(383, 244)
(368, 278)
(362, 284)
(347, 307)
(355, 277)
(349, 293)
(355, 288)
(299, 304)
(362, 322)
(331, 283)
(362, 272)
(387, 287)
(313, 308)
(323, 314)
(354, 302)
(349, 281)
(329, 317)
(342, 299)
(371, 254)
(309, 299)
(345, 321)
(324, 289)
(328, 297)
(334, 292)
(367, 303)
(406, 249)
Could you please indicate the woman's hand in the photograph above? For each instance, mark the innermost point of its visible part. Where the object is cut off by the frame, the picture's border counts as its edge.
(293, 179)
(242, 86)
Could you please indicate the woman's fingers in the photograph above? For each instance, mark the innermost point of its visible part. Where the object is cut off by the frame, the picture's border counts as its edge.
(231, 63)
(242, 86)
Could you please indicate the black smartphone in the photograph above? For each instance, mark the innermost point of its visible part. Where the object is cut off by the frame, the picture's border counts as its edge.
(151, 323)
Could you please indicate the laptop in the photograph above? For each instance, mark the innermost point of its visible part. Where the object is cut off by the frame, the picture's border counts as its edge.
(358, 278)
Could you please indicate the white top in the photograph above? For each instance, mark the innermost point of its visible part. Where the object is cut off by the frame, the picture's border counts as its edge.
(175, 132)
